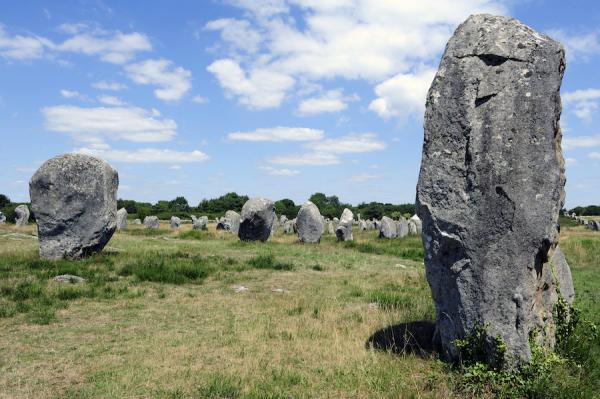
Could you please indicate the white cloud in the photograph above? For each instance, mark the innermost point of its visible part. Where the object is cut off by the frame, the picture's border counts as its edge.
(69, 93)
(175, 167)
(111, 100)
(371, 40)
(571, 143)
(403, 94)
(361, 178)
(583, 102)
(173, 82)
(200, 100)
(278, 134)
(279, 172)
(330, 101)
(115, 47)
(580, 46)
(22, 47)
(146, 155)
(261, 88)
(113, 86)
(594, 155)
(118, 123)
(571, 161)
(326, 152)
(311, 159)
(353, 143)
(237, 33)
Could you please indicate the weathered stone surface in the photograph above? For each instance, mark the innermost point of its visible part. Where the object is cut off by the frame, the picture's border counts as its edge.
(151, 222)
(136, 221)
(418, 223)
(282, 220)
(491, 185)
(121, 219)
(362, 225)
(200, 223)
(2, 218)
(404, 227)
(330, 229)
(21, 215)
(288, 227)
(74, 200)
(343, 232)
(388, 228)
(309, 223)
(258, 215)
(68, 278)
(175, 222)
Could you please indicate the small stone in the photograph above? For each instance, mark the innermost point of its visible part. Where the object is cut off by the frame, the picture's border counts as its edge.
(388, 228)
(21, 215)
(68, 278)
(151, 222)
(121, 219)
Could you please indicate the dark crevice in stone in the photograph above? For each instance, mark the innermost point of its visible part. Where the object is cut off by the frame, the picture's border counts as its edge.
(482, 100)
(491, 59)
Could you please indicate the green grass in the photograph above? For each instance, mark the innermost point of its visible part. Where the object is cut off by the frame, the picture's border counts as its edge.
(161, 318)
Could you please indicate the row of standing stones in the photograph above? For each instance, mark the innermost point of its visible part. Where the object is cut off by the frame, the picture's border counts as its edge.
(490, 189)
(590, 224)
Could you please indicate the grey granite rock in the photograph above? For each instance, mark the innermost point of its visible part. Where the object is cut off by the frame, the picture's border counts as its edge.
(257, 218)
(136, 221)
(151, 222)
(418, 223)
(404, 227)
(388, 228)
(491, 186)
(121, 219)
(74, 200)
(200, 223)
(309, 223)
(21, 215)
(2, 218)
(343, 232)
(175, 222)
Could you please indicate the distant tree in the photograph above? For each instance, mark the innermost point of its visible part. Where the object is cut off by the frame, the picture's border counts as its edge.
(179, 204)
(286, 207)
(218, 206)
(328, 206)
(4, 201)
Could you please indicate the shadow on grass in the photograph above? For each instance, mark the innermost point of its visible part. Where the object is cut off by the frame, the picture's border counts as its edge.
(415, 337)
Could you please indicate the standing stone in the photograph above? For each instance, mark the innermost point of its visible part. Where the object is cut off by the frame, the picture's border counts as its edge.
(418, 223)
(74, 200)
(21, 215)
(288, 227)
(491, 187)
(282, 220)
(2, 218)
(121, 219)
(137, 221)
(362, 225)
(388, 228)
(257, 218)
(151, 222)
(404, 228)
(330, 229)
(412, 227)
(344, 230)
(309, 223)
(230, 223)
(200, 223)
(175, 222)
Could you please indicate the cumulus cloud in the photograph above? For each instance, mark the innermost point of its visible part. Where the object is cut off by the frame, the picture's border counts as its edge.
(361, 178)
(261, 88)
(146, 155)
(200, 100)
(173, 82)
(114, 47)
(403, 94)
(582, 102)
(327, 152)
(278, 134)
(594, 155)
(330, 101)
(111, 100)
(371, 40)
(279, 172)
(571, 143)
(578, 46)
(237, 33)
(114, 123)
(112, 86)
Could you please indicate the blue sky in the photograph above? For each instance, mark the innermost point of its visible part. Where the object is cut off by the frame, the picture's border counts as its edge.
(275, 98)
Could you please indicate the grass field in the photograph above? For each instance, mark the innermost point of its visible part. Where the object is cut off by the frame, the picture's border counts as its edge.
(201, 315)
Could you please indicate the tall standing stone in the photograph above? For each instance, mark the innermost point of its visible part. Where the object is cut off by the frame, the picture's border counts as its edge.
(309, 223)
(343, 232)
(121, 219)
(388, 228)
(491, 186)
(21, 215)
(175, 222)
(404, 228)
(2, 218)
(257, 218)
(74, 200)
